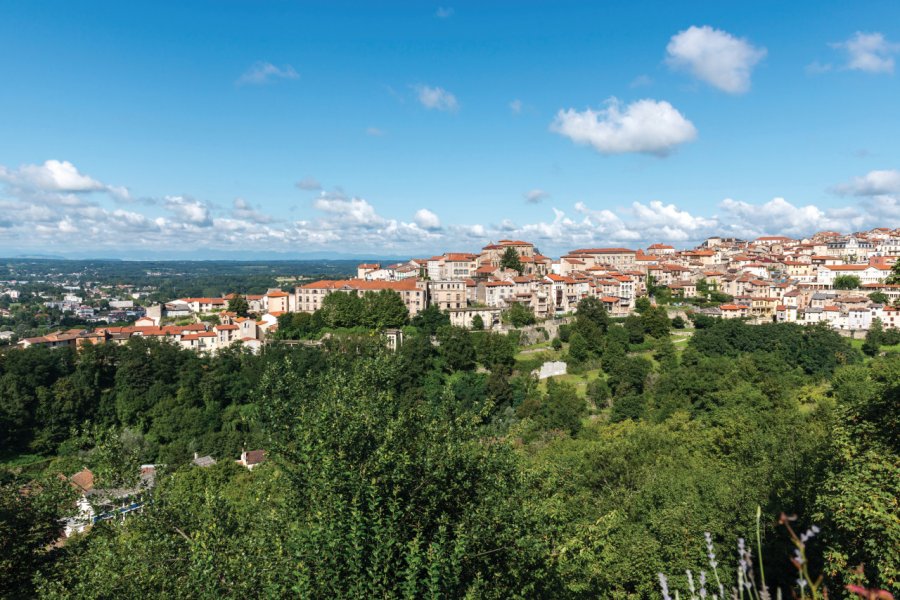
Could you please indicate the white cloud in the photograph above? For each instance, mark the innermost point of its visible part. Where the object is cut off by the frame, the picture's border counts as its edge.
(780, 217)
(644, 126)
(67, 221)
(436, 98)
(426, 219)
(873, 183)
(349, 211)
(265, 72)
(444, 12)
(55, 176)
(714, 56)
(190, 210)
(309, 184)
(536, 196)
(374, 131)
(516, 107)
(869, 52)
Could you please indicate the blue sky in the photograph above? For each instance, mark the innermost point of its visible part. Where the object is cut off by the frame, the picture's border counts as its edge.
(202, 128)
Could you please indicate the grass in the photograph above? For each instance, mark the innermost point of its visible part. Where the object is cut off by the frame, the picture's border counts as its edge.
(580, 381)
(858, 344)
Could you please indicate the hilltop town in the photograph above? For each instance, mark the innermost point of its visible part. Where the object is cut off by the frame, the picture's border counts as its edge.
(843, 280)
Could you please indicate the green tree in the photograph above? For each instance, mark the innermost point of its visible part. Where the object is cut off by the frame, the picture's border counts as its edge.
(578, 348)
(592, 310)
(846, 282)
(496, 350)
(857, 502)
(562, 408)
(30, 517)
(343, 310)
(519, 315)
(456, 348)
(656, 322)
(510, 260)
(407, 503)
(874, 336)
(384, 309)
(431, 319)
(238, 304)
(477, 323)
(635, 328)
(879, 298)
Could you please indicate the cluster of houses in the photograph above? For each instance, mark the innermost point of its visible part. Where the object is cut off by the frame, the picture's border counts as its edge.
(771, 278)
(95, 504)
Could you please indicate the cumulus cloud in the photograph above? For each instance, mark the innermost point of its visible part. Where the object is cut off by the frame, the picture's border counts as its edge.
(444, 12)
(645, 126)
(515, 107)
(262, 72)
(58, 176)
(426, 219)
(61, 219)
(189, 210)
(714, 56)
(873, 183)
(374, 131)
(869, 52)
(350, 211)
(536, 196)
(436, 98)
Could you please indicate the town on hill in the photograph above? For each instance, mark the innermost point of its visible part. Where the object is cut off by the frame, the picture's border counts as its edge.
(847, 281)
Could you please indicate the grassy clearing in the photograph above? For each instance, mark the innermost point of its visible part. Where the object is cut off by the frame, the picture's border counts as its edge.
(580, 381)
(858, 344)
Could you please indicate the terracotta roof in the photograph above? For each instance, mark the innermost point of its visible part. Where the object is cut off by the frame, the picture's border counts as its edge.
(83, 480)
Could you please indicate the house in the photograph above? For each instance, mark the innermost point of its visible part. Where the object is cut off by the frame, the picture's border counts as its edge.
(251, 459)
(463, 317)
(203, 461)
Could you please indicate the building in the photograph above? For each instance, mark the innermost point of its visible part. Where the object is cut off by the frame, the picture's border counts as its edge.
(309, 297)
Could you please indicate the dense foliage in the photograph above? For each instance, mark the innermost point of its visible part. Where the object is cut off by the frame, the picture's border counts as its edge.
(446, 469)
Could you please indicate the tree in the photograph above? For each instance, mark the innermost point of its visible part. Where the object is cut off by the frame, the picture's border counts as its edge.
(591, 309)
(678, 322)
(456, 348)
(341, 309)
(879, 298)
(656, 322)
(431, 319)
(496, 350)
(408, 504)
(894, 277)
(578, 348)
(635, 328)
(857, 501)
(384, 309)
(874, 336)
(664, 353)
(238, 304)
(519, 315)
(29, 525)
(477, 323)
(562, 408)
(846, 282)
(510, 260)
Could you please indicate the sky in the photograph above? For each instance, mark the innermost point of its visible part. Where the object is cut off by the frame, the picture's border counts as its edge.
(252, 129)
